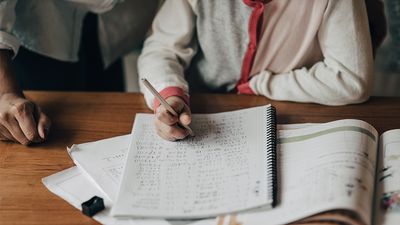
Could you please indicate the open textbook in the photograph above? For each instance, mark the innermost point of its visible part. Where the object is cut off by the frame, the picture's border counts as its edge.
(327, 173)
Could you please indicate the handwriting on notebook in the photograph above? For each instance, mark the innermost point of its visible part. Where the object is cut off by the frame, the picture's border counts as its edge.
(223, 168)
(204, 164)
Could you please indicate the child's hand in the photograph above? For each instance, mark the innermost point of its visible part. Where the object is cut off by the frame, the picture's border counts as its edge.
(167, 125)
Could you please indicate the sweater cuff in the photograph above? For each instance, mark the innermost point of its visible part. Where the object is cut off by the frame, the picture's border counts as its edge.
(260, 83)
(171, 91)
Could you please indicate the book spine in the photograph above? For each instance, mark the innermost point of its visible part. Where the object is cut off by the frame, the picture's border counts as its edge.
(271, 131)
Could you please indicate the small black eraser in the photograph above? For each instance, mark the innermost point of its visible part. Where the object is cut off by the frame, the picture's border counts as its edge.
(92, 206)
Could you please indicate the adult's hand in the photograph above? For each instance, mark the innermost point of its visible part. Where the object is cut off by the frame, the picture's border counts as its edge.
(167, 124)
(20, 119)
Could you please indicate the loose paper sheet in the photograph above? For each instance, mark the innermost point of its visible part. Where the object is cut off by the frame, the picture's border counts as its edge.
(74, 187)
(103, 161)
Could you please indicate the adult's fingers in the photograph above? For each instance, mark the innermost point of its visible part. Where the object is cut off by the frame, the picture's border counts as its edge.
(5, 135)
(24, 114)
(44, 123)
(13, 127)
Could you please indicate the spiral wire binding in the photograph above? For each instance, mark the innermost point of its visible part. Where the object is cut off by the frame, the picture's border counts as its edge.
(271, 158)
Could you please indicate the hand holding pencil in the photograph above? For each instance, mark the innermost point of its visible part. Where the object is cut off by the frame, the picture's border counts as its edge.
(173, 116)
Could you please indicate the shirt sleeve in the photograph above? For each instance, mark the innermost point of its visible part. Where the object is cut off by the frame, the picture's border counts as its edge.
(169, 50)
(344, 76)
(7, 19)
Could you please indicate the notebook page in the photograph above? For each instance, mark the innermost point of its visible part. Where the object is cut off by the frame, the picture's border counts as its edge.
(221, 169)
(323, 167)
(388, 179)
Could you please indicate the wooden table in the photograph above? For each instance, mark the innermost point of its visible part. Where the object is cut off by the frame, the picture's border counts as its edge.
(83, 117)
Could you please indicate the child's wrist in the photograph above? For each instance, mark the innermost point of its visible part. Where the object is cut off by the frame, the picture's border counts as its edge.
(169, 92)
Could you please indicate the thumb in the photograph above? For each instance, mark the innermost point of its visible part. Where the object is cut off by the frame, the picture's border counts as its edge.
(186, 115)
(44, 125)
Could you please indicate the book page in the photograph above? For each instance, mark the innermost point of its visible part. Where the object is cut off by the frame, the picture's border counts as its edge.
(321, 168)
(388, 179)
(223, 168)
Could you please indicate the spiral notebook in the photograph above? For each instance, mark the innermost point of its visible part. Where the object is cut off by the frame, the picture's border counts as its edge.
(228, 166)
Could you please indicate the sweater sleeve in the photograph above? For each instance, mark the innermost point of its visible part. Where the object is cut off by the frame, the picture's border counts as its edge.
(7, 19)
(170, 48)
(344, 76)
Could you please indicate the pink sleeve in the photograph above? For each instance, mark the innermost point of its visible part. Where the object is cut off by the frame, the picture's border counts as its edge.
(171, 91)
